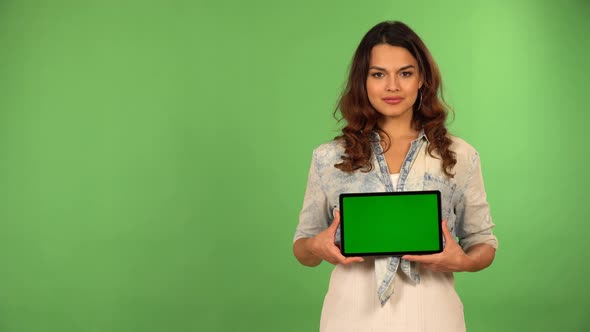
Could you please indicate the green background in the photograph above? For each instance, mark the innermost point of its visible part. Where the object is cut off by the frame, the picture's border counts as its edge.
(391, 223)
(154, 154)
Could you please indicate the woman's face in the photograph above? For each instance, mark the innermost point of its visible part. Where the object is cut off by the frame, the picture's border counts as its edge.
(393, 81)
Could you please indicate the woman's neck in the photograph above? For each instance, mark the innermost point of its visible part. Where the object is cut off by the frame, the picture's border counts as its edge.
(397, 128)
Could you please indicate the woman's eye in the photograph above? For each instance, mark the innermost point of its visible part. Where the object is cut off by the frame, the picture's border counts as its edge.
(406, 74)
(377, 75)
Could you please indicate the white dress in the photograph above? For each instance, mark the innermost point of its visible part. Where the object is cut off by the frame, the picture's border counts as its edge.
(351, 303)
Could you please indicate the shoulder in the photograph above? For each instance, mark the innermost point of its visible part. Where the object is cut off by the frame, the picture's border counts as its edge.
(329, 153)
(467, 156)
(460, 146)
(463, 150)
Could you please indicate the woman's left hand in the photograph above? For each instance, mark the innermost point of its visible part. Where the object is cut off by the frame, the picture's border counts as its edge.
(451, 259)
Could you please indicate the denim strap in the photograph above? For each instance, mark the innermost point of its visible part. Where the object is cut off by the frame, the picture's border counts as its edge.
(386, 267)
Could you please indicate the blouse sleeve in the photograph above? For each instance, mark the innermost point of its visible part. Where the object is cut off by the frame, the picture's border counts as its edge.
(473, 215)
(314, 216)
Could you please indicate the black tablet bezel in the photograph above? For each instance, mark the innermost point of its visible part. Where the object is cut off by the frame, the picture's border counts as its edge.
(389, 253)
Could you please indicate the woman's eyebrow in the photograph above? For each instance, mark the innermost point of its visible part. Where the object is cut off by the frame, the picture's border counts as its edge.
(385, 70)
(406, 67)
(377, 68)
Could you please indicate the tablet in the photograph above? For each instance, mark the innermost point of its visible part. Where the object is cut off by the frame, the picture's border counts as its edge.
(391, 223)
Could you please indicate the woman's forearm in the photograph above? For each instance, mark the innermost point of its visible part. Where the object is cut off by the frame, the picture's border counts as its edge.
(303, 254)
(481, 256)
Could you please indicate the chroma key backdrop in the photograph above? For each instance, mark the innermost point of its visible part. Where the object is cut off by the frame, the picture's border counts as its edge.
(154, 156)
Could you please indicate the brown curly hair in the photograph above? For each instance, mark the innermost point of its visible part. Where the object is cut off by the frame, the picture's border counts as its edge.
(361, 118)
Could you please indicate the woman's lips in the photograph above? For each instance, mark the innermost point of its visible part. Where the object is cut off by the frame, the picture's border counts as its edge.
(393, 100)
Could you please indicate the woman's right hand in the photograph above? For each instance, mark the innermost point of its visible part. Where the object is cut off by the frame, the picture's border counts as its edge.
(323, 246)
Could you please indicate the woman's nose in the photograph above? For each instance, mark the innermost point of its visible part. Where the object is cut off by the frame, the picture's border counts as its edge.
(392, 84)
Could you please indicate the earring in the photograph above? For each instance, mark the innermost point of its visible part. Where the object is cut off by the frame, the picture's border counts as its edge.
(420, 102)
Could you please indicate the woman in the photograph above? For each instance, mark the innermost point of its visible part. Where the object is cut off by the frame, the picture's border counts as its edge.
(395, 139)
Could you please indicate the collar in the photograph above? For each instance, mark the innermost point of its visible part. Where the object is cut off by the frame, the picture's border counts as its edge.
(421, 135)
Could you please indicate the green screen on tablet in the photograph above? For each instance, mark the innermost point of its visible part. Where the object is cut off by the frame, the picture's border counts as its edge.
(393, 223)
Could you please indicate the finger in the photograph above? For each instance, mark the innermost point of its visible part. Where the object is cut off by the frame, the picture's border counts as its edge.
(332, 261)
(419, 259)
(346, 260)
(446, 232)
(336, 220)
(335, 255)
(350, 260)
